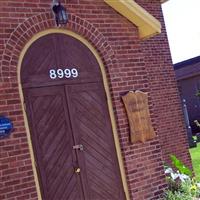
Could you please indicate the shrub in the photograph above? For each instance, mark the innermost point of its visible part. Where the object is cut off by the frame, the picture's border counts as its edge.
(181, 184)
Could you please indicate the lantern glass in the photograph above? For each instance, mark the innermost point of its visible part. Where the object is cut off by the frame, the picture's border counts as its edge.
(60, 14)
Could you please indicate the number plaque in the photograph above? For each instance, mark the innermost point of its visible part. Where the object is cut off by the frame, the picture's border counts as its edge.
(63, 73)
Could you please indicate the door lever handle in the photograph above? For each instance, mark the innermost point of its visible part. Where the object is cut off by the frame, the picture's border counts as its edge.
(78, 147)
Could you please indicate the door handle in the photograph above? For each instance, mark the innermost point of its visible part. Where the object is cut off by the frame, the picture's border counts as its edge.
(78, 147)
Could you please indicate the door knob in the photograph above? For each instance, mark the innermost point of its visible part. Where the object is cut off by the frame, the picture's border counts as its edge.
(77, 170)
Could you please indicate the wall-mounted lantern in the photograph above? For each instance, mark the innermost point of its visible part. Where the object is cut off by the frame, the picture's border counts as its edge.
(60, 12)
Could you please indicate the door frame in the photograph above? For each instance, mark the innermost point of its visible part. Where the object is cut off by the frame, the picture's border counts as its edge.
(109, 103)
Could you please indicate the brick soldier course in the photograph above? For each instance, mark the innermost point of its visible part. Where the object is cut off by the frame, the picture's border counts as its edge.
(130, 64)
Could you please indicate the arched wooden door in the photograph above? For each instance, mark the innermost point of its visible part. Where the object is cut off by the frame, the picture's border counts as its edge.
(69, 121)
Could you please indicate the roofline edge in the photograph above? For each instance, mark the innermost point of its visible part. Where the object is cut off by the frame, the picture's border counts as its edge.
(147, 24)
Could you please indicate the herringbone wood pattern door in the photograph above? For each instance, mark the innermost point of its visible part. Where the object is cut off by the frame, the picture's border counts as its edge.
(69, 122)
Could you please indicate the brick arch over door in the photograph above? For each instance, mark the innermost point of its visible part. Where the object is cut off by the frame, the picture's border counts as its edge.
(25, 31)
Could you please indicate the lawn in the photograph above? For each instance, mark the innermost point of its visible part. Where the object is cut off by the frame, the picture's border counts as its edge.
(195, 154)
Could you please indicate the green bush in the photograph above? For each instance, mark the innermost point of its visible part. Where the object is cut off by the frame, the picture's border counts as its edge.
(186, 191)
(180, 166)
(181, 184)
(169, 195)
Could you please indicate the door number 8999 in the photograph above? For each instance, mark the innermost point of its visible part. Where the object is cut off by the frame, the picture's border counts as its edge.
(63, 73)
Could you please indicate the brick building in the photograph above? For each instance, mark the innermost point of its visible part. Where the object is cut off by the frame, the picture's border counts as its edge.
(187, 76)
(106, 49)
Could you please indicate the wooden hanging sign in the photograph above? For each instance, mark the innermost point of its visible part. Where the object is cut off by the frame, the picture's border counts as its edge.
(136, 105)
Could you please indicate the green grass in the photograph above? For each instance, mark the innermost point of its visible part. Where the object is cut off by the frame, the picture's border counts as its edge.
(194, 137)
(195, 154)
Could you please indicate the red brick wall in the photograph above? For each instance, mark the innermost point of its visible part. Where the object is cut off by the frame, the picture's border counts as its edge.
(169, 120)
(130, 64)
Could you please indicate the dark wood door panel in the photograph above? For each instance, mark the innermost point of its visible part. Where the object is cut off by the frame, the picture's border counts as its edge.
(53, 143)
(66, 112)
(92, 128)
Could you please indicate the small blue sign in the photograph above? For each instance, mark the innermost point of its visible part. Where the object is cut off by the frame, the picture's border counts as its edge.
(6, 127)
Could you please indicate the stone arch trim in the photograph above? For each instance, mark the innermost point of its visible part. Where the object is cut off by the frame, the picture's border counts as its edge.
(26, 30)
